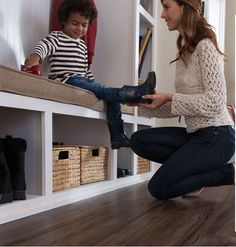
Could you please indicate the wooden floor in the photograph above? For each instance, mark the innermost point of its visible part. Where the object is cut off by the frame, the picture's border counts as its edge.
(131, 217)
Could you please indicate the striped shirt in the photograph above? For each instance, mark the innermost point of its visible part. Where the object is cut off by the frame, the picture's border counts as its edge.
(67, 56)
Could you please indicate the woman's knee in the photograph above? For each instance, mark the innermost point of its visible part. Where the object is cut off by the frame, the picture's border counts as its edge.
(158, 190)
(135, 141)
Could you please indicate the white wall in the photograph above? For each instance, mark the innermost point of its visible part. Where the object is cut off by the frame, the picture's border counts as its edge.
(166, 52)
(22, 24)
(216, 17)
(230, 49)
(114, 50)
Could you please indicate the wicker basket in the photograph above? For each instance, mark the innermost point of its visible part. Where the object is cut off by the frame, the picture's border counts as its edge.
(93, 164)
(66, 167)
(143, 165)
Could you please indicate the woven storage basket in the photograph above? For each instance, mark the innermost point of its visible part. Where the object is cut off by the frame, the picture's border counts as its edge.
(66, 167)
(143, 165)
(93, 164)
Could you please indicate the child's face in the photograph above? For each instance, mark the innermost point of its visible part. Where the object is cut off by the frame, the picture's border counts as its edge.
(76, 26)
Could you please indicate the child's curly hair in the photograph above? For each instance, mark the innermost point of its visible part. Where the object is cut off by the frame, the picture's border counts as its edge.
(86, 8)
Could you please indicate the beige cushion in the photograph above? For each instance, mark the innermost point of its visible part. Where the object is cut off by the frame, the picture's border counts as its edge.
(17, 82)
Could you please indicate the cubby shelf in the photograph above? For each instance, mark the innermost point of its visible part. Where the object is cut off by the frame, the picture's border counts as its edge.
(147, 16)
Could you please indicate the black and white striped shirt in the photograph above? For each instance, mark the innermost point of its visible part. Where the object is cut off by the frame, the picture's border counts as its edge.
(67, 56)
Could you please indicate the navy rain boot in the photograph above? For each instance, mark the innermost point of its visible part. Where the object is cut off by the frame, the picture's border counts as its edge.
(15, 155)
(117, 134)
(133, 94)
(5, 180)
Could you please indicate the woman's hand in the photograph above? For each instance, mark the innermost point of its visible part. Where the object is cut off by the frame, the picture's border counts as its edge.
(32, 60)
(158, 100)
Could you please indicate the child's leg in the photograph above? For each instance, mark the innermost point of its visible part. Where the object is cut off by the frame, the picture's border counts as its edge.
(126, 94)
(115, 125)
(101, 92)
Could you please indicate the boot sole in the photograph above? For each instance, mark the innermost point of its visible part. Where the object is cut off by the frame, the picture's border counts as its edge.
(146, 101)
(5, 198)
(119, 145)
(19, 195)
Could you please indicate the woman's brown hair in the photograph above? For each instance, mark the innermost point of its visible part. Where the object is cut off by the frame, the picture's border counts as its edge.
(195, 28)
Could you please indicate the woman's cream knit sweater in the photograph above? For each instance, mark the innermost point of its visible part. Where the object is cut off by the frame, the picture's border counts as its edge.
(200, 90)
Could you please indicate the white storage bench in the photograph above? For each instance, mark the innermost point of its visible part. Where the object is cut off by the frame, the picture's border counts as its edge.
(43, 111)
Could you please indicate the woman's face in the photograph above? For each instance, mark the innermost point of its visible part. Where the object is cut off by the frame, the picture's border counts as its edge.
(76, 26)
(172, 13)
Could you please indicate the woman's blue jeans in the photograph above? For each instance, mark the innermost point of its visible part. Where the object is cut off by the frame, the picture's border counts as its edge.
(108, 94)
(189, 161)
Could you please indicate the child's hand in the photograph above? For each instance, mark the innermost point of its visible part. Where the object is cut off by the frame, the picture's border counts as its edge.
(32, 60)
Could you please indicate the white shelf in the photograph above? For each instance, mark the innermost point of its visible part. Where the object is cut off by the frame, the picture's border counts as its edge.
(41, 105)
(147, 16)
(39, 122)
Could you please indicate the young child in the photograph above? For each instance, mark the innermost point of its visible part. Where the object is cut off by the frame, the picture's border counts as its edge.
(69, 64)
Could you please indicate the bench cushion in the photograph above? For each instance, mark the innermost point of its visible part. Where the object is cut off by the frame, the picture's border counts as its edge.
(18, 82)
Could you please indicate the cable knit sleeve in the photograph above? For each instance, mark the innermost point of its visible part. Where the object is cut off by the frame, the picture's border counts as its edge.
(200, 88)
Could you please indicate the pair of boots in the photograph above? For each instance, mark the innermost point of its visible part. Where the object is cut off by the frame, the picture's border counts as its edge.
(130, 95)
(12, 169)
